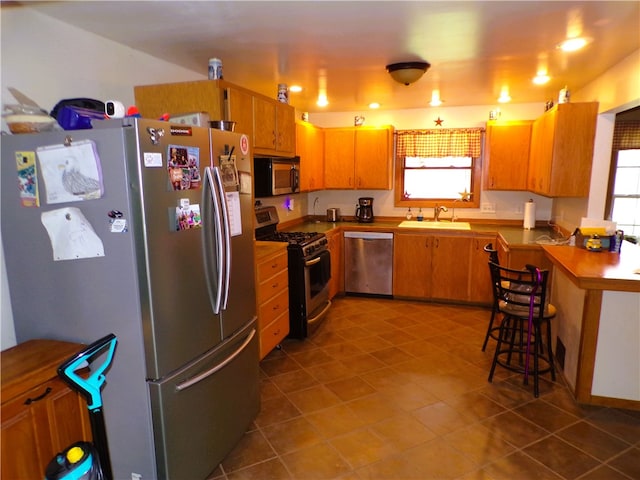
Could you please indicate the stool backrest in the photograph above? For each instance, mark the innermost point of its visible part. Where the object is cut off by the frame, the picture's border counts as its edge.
(493, 253)
(514, 289)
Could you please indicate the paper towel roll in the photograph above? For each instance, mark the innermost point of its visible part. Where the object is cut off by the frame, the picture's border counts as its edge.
(529, 215)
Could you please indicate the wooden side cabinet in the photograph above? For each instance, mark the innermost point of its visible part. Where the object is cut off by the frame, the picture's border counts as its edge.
(272, 294)
(506, 156)
(561, 152)
(40, 414)
(274, 126)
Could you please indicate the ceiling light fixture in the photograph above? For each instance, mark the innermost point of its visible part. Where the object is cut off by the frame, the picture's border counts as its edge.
(573, 44)
(541, 78)
(295, 88)
(504, 95)
(435, 99)
(374, 105)
(407, 72)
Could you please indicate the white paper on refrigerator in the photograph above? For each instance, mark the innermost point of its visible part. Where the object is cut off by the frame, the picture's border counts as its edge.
(72, 236)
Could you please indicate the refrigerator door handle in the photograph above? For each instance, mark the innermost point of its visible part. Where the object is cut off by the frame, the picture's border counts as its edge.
(226, 265)
(212, 240)
(201, 376)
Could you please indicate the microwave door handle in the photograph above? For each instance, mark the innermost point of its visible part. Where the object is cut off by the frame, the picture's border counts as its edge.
(294, 178)
(212, 240)
(226, 237)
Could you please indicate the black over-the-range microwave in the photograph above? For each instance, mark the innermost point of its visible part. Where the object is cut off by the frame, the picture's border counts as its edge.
(276, 175)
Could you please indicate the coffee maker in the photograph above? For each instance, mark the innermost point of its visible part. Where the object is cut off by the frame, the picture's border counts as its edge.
(364, 210)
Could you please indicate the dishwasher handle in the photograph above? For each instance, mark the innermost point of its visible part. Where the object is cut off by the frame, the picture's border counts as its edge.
(370, 235)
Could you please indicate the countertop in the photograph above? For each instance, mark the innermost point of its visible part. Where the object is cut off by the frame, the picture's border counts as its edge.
(265, 249)
(599, 270)
(514, 236)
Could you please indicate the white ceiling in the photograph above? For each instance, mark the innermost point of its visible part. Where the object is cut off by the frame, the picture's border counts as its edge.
(474, 47)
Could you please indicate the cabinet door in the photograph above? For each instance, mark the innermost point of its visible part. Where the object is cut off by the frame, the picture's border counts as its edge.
(239, 108)
(506, 156)
(175, 98)
(373, 158)
(574, 135)
(39, 424)
(336, 284)
(450, 267)
(264, 115)
(542, 138)
(285, 129)
(310, 148)
(480, 290)
(412, 265)
(339, 166)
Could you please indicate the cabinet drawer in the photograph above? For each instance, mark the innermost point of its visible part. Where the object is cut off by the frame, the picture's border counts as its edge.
(272, 334)
(272, 287)
(271, 267)
(270, 309)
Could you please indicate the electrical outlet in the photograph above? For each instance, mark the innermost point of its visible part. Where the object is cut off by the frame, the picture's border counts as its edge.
(136, 476)
(488, 208)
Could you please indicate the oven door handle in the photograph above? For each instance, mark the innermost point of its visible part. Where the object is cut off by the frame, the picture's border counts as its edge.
(312, 262)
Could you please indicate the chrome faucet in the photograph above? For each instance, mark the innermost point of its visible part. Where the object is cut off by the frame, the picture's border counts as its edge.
(436, 212)
(315, 202)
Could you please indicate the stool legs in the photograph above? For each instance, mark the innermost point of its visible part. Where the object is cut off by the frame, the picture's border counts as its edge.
(512, 340)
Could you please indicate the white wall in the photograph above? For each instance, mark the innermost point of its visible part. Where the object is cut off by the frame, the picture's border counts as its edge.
(48, 61)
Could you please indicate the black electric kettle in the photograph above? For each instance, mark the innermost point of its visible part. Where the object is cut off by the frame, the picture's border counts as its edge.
(364, 210)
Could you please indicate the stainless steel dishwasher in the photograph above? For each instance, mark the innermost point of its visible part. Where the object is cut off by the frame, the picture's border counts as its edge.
(368, 263)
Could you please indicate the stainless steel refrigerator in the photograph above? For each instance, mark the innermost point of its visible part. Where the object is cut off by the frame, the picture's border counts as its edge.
(143, 229)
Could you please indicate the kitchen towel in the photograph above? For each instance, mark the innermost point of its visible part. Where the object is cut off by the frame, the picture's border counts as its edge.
(529, 215)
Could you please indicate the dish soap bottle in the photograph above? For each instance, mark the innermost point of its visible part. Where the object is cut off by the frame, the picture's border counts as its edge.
(409, 214)
(420, 216)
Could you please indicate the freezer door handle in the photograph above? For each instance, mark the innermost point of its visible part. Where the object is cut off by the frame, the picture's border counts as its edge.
(226, 234)
(212, 240)
(201, 376)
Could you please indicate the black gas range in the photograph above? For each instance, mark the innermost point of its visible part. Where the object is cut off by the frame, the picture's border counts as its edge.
(309, 266)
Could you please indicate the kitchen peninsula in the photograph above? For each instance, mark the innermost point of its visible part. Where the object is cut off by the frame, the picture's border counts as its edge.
(597, 295)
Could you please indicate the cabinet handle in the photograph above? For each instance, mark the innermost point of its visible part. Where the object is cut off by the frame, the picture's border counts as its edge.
(29, 401)
(276, 333)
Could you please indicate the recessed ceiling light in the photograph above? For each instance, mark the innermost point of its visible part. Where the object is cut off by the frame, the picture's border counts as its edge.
(573, 44)
(295, 88)
(374, 105)
(504, 95)
(435, 99)
(322, 100)
(541, 79)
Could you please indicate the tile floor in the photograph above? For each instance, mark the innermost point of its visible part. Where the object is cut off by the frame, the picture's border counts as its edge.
(390, 389)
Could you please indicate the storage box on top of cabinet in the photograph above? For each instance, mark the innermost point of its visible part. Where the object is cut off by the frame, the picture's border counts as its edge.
(562, 150)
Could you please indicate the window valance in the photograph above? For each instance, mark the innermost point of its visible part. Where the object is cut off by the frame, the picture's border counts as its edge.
(626, 135)
(449, 142)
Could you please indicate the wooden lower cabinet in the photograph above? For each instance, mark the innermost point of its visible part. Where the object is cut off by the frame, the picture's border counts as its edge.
(40, 414)
(517, 258)
(336, 284)
(412, 265)
(441, 267)
(272, 296)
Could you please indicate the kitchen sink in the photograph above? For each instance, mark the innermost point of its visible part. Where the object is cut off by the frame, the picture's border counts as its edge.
(441, 225)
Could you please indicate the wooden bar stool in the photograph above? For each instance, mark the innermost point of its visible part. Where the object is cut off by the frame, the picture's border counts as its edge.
(492, 331)
(524, 338)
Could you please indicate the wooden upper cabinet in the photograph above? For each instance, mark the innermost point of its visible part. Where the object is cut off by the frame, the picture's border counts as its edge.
(506, 155)
(184, 97)
(339, 160)
(359, 157)
(561, 152)
(310, 149)
(269, 124)
(274, 127)
(238, 107)
(374, 158)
